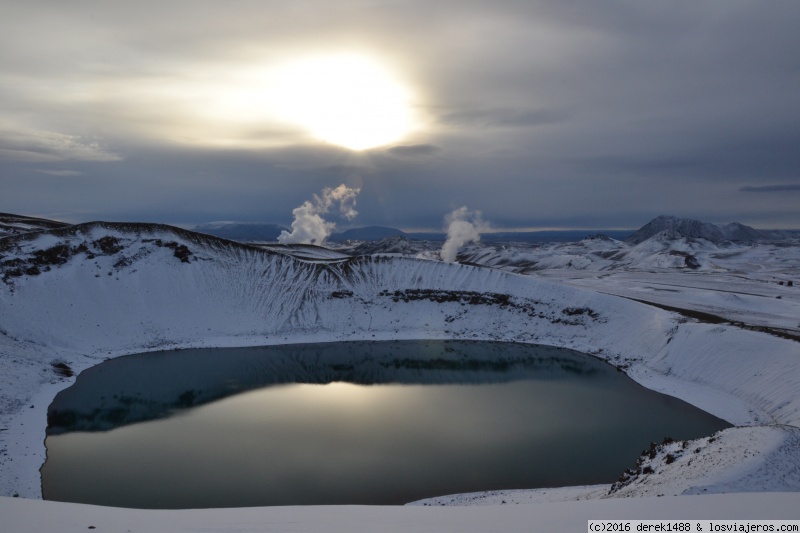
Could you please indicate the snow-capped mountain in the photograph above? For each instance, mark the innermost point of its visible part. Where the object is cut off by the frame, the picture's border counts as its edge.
(672, 228)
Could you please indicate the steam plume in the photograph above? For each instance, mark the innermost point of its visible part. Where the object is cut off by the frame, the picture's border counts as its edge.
(463, 226)
(309, 227)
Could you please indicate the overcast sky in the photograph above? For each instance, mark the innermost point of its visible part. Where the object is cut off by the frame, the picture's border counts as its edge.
(574, 114)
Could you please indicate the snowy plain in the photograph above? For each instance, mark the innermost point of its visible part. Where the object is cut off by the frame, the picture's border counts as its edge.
(32, 516)
(79, 295)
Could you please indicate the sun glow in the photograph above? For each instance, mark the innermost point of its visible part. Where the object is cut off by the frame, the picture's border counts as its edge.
(347, 100)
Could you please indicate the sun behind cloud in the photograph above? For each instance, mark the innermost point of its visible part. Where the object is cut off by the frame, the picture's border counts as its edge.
(349, 100)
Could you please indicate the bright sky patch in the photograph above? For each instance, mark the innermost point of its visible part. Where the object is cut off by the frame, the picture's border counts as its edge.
(346, 100)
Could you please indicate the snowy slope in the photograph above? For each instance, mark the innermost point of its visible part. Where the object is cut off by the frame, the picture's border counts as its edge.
(77, 295)
(754, 284)
(43, 516)
(731, 461)
(17, 224)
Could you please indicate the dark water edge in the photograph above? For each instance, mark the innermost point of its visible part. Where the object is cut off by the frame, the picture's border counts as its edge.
(348, 423)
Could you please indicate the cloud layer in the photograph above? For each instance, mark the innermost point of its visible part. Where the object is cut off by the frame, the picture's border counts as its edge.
(539, 113)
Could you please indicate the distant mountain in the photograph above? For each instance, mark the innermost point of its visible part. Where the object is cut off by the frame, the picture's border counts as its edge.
(598, 237)
(369, 233)
(782, 234)
(242, 231)
(741, 233)
(17, 224)
(398, 244)
(248, 232)
(672, 228)
(568, 235)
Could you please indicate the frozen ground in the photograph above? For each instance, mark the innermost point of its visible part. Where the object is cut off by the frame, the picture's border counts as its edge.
(75, 296)
(751, 284)
(737, 298)
(29, 516)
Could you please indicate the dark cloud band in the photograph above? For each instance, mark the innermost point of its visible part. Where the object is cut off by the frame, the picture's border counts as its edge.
(770, 188)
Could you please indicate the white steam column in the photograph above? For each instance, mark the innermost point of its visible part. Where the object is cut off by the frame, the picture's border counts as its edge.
(309, 227)
(463, 226)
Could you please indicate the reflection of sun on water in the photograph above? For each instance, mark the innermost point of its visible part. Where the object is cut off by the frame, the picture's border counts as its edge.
(338, 393)
(347, 100)
(358, 404)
